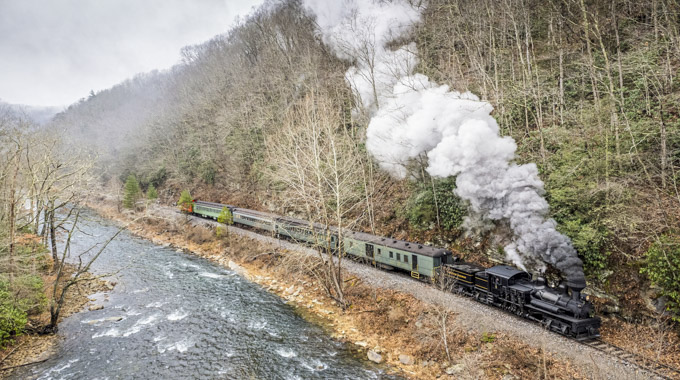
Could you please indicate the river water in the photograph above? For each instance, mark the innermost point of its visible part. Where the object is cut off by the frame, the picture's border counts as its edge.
(184, 317)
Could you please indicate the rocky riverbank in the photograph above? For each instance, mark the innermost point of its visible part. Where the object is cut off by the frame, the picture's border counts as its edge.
(34, 348)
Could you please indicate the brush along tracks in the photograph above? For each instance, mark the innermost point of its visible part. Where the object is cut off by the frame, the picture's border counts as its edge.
(662, 370)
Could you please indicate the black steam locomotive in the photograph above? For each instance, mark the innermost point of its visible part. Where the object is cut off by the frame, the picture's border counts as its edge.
(513, 290)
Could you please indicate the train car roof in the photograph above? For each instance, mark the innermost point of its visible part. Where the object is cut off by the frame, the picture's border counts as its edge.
(507, 272)
(304, 223)
(261, 214)
(373, 239)
(468, 267)
(213, 204)
(362, 236)
(403, 245)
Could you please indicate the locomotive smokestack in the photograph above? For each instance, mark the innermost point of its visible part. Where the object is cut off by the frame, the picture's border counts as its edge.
(576, 284)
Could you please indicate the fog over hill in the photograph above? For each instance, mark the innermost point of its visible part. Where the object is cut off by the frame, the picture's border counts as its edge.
(40, 115)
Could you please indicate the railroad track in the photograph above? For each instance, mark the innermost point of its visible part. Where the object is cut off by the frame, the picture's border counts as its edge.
(662, 370)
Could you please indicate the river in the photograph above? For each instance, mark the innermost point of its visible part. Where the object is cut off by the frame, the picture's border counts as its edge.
(183, 317)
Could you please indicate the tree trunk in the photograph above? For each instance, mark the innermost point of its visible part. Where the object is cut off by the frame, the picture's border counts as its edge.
(12, 218)
(53, 235)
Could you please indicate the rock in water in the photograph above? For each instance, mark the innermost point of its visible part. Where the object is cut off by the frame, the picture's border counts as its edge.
(374, 356)
(96, 307)
(110, 319)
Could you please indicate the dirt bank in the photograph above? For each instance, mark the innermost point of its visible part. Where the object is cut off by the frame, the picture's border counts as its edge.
(414, 328)
(30, 349)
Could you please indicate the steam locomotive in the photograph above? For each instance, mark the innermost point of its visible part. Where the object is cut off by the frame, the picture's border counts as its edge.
(563, 310)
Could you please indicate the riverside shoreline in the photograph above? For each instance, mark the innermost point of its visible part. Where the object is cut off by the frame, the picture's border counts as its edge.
(33, 348)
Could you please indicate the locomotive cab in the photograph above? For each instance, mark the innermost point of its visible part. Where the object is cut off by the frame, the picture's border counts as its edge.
(502, 276)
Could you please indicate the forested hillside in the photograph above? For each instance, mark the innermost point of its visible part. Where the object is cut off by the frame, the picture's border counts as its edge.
(588, 89)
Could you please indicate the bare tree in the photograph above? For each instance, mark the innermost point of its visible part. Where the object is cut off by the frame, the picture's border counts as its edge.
(320, 168)
(85, 260)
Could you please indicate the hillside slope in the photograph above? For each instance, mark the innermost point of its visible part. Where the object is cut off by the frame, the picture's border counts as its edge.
(588, 90)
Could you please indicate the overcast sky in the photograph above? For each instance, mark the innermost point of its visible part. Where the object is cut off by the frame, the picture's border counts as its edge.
(53, 52)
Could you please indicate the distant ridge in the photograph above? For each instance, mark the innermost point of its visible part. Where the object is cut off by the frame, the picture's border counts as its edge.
(39, 114)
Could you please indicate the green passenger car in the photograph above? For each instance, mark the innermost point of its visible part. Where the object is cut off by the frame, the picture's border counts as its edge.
(420, 260)
(301, 230)
(256, 219)
(208, 209)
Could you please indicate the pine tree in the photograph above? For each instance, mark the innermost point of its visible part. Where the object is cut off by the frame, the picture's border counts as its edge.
(132, 192)
(227, 218)
(184, 199)
(151, 193)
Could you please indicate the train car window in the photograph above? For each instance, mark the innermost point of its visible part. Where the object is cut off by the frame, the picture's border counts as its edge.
(398, 256)
(391, 255)
(379, 251)
(405, 259)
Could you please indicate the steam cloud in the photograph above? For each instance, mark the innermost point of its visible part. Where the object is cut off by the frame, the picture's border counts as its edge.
(413, 116)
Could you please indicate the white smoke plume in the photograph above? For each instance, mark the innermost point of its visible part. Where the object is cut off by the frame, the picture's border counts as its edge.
(412, 116)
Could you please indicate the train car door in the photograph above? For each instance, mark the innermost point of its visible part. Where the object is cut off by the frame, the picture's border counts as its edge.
(414, 260)
(369, 250)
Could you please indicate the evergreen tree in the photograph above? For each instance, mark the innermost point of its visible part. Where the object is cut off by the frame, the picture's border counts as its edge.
(151, 193)
(225, 217)
(132, 192)
(184, 199)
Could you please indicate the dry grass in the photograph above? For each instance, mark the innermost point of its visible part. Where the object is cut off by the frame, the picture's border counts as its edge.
(655, 339)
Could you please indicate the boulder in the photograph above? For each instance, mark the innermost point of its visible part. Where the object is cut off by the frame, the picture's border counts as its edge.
(374, 356)
(96, 307)
(237, 268)
(454, 369)
(406, 359)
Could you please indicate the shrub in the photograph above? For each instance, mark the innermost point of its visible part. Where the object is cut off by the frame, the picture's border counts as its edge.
(158, 177)
(589, 240)
(208, 173)
(488, 337)
(662, 266)
(421, 208)
(12, 322)
(12, 318)
(28, 293)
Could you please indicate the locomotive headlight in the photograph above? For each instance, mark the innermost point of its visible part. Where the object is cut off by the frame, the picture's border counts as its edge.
(587, 298)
